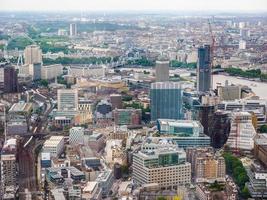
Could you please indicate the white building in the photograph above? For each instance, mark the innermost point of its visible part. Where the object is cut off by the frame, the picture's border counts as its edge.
(54, 145)
(76, 136)
(242, 44)
(51, 71)
(73, 29)
(67, 99)
(32, 54)
(242, 132)
(165, 165)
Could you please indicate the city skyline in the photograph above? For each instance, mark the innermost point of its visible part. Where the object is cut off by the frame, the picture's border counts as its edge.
(138, 5)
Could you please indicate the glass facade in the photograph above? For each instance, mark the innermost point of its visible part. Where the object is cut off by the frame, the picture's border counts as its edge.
(166, 101)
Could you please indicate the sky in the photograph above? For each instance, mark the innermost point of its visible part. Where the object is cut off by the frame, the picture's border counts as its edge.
(184, 5)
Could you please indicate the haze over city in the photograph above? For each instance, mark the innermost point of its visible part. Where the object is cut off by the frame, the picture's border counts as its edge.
(133, 99)
(160, 5)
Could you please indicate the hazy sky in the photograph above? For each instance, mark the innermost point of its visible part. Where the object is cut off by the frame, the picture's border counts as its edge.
(221, 5)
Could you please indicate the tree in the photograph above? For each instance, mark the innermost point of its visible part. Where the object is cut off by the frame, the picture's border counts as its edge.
(263, 128)
(161, 198)
(44, 83)
(245, 193)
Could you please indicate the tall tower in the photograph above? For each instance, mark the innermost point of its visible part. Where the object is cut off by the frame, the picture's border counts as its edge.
(166, 100)
(162, 70)
(204, 69)
(32, 55)
(10, 79)
(73, 29)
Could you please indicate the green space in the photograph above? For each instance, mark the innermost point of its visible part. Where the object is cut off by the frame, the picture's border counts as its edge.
(178, 64)
(19, 42)
(263, 128)
(252, 73)
(141, 61)
(235, 169)
(85, 60)
(216, 186)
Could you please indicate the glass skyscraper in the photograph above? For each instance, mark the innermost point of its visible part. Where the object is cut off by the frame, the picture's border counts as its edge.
(204, 81)
(166, 100)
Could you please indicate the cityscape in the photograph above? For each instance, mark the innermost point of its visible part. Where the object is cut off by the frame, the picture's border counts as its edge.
(149, 100)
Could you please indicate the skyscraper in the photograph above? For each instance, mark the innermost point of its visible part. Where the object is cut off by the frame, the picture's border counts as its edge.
(162, 70)
(35, 70)
(73, 29)
(204, 68)
(10, 79)
(32, 54)
(67, 100)
(166, 100)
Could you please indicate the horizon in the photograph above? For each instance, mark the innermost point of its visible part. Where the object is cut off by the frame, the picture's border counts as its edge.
(227, 6)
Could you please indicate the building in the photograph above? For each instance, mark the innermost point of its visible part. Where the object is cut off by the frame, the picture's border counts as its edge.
(256, 107)
(54, 145)
(35, 70)
(103, 110)
(32, 55)
(164, 164)
(229, 92)
(73, 29)
(204, 69)
(49, 72)
(76, 136)
(92, 191)
(229, 191)
(260, 148)
(242, 132)
(105, 180)
(242, 44)
(129, 116)
(206, 166)
(166, 100)
(185, 133)
(162, 71)
(10, 79)
(116, 101)
(67, 99)
(96, 141)
(115, 153)
(9, 168)
(257, 184)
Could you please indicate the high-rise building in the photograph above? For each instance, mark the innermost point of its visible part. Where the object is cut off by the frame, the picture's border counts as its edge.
(242, 132)
(9, 170)
(73, 29)
(32, 54)
(204, 69)
(165, 164)
(35, 70)
(206, 166)
(10, 79)
(67, 100)
(162, 70)
(166, 100)
(51, 71)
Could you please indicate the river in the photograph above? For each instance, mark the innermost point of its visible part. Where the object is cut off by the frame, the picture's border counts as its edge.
(259, 88)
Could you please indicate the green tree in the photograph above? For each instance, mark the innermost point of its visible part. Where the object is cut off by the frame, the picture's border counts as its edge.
(161, 198)
(263, 128)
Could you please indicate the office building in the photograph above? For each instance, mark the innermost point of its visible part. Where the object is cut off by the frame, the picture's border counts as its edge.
(164, 164)
(229, 92)
(103, 110)
(9, 168)
(185, 133)
(242, 132)
(35, 70)
(220, 129)
(129, 116)
(76, 136)
(242, 44)
(10, 79)
(67, 100)
(49, 72)
(204, 69)
(206, 166)
(32, 55)
(257, 184)
(96, 141)
(166, 100)
(116, 101)
(260, 148)
(162, 70)
(73, 29)
(54, 145)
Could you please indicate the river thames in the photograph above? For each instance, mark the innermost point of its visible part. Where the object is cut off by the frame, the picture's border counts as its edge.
(259, 88)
